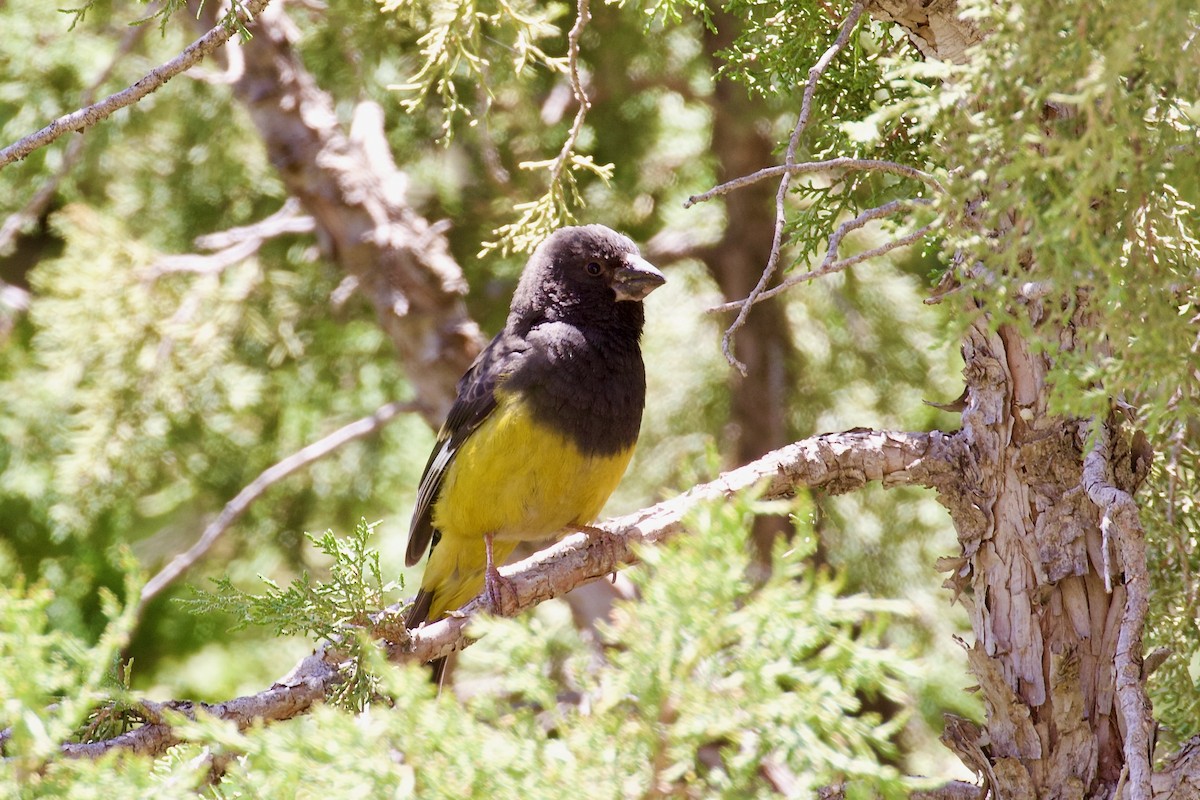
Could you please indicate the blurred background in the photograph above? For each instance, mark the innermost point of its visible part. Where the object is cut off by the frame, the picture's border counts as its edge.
(141, 391)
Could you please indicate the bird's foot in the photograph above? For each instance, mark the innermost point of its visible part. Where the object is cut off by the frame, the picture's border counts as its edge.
(500, 593)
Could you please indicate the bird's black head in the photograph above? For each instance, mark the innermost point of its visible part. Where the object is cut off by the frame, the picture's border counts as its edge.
(585, 274)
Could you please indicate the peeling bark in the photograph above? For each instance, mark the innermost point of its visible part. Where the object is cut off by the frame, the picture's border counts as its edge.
(933, 26)
(1032, 576)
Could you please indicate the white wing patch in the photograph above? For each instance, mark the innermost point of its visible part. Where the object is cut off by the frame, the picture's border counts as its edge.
(433, 479)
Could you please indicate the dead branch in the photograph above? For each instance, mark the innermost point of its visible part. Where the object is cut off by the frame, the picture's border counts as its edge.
(1119, 516)
(837, 462)
(836, 165)
(234, 245)
(789, 160)
(287, 219)
(40, 200)
(90, 115)
(234, 509)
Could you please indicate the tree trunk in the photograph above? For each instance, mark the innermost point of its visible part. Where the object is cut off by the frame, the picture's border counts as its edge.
(1056, 605)
(1032, 575)
(397, 259)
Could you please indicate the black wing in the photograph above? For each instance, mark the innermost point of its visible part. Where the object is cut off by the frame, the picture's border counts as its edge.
(476, 400)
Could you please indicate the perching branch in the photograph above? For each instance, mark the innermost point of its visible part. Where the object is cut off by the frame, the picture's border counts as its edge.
(1119, 518)
(90, 115)
(836, 462)
(831, 264)
(789, 161)
(256, 488)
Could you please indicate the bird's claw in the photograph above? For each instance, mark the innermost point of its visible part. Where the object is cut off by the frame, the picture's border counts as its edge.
(500, 592)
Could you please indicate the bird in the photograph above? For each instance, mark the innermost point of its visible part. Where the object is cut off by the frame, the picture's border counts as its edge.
(544, 422)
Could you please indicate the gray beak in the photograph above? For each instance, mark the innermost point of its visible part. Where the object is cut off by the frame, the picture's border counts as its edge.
(636, 278)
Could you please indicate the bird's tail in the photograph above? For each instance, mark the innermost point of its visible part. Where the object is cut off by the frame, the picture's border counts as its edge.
(453, 575)
(418, 612)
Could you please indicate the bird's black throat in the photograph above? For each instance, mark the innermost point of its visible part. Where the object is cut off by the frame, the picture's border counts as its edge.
(590, 384)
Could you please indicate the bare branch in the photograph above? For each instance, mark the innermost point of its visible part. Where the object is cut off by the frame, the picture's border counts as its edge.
(954, 790)
(234, 245)
(581, 21)
(830, 266)
(86, 117)
(311, 681)
(1119, 513)
(13, 298)
(837, 462)
(45, 193)
(789, 160)
(210, 264)
(676, 244)
(840, 165)
(287, 219)
(14, 301)
(256, 488)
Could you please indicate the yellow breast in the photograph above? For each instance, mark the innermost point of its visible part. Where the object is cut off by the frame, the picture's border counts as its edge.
(520, 480)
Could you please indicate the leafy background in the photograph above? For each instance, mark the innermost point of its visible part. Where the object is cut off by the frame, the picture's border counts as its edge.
(134, 404)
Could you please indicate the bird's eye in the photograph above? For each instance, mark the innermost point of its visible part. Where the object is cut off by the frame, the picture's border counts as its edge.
(593, 268)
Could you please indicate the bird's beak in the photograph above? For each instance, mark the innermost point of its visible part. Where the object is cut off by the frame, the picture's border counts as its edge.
(636, 278)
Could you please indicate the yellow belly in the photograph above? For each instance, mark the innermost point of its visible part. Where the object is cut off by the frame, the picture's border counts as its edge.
(518, 481)
(521, 481)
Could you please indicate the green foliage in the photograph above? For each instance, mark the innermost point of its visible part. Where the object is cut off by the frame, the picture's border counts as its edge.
(345, 608)
(1069, 146)
(134, 405)
(1075, 141)
(162, 12)
(684, 699)
(1173, 515)
(695, 702)
(51, 680)
(460, 43)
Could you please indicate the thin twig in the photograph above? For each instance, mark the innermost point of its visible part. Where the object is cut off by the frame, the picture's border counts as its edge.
(551, 208)
(90, 115)
(576, 33)
(209, 264)
(840, 164)
(789, 161)
(234, 245)
(41, 198)
(256, 488)
(829, 267)
(1119, 513)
